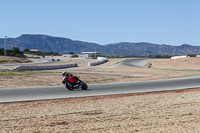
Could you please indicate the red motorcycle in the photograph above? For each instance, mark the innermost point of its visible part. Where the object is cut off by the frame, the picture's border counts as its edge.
(74, 82)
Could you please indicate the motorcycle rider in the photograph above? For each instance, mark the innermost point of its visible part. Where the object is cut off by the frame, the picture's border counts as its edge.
(67, 75)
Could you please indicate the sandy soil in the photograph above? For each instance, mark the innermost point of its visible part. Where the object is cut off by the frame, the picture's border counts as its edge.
(171, 112)
(174, 111)
(183, 63)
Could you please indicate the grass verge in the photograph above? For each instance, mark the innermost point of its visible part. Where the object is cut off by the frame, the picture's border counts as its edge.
(15, 73)
(3, 61)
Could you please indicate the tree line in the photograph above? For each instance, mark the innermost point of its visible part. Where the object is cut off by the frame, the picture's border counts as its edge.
(12, 52)
(15, 51)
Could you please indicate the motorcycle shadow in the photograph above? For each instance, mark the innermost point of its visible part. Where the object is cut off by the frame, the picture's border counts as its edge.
(77, 90)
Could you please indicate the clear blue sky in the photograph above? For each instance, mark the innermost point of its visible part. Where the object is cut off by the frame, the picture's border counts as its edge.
(171, 22)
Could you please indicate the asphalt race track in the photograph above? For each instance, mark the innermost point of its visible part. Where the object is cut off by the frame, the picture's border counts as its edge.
(42, 93)
(59, 92)
(138, 62)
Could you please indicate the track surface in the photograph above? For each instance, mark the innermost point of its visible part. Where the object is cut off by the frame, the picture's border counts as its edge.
(59, 92)
(140, 62)
(42, 93)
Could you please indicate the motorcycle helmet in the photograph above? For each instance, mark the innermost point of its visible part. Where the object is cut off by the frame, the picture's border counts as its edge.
(64, 73)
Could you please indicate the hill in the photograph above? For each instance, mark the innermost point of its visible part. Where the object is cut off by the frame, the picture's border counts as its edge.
(65, 45)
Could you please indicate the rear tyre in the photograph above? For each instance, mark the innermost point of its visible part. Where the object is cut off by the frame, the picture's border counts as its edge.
(69, 86)
(84, 86)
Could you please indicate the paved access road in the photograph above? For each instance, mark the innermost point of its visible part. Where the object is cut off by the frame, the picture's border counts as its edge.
(42, 93)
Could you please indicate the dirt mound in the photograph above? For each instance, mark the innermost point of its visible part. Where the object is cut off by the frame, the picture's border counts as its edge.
(8, 59)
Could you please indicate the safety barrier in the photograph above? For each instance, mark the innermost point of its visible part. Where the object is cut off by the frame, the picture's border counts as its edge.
(44, 67)
(97, 63)
(178, 57)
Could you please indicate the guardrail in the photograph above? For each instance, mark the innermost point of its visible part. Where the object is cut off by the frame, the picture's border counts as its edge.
(97, 63)
(177, 57)
(44, 67)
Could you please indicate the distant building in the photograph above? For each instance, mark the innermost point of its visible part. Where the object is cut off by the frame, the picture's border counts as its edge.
(70, 56)
(91, 54)
(35, 51)
(83, 55)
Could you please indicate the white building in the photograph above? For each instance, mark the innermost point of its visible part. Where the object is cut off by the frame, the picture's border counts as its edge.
(91, 54)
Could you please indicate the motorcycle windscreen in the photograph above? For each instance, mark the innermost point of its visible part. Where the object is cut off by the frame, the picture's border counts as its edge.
(71, 79)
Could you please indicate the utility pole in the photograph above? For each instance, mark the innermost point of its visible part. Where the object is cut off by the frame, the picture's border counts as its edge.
(95, 53)
(5, 47)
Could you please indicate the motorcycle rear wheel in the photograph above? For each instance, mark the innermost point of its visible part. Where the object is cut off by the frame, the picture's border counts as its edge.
(84, 87)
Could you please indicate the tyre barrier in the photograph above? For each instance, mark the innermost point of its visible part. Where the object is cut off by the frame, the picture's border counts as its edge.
(47, 67)
(97, 63)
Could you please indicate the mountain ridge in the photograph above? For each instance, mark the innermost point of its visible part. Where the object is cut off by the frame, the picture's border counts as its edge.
(65, 45)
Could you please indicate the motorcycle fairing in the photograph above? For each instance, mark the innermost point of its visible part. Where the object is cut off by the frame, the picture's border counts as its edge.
(71, 79)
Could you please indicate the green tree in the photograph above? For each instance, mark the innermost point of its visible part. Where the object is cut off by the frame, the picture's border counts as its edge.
(1, 51)
(158, 56)
(75, 56)
(192, 55)
(71, 53)
(26, 50)
(16, 50)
